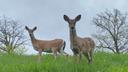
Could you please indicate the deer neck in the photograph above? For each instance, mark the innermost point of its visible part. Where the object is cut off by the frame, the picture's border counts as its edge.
(73, 36)
(32, 38)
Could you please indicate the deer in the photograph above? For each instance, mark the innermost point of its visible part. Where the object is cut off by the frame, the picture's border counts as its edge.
(50, 46)
(79, 46)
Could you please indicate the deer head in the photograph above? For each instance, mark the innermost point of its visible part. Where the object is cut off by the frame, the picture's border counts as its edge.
(72, 22)
(30, 31)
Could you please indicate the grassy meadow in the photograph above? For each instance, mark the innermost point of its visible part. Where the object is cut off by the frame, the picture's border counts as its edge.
(103, 62)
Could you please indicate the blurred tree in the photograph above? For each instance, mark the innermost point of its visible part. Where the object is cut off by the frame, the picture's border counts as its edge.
(11, 35)
(112, 31)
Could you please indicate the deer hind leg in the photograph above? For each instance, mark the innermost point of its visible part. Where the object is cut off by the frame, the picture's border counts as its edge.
(91, 55)
(54, 52)
(87, 55)
(89, 58)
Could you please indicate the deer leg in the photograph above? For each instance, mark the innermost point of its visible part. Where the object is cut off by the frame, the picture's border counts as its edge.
(86, 55)
(80, 57)
(76, 54)
(55, 53)
(39, 57)
(75, 57)
(91, 55)
(89, 58)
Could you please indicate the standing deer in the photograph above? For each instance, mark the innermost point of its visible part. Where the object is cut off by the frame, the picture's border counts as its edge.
(79, 45)
(56, 45)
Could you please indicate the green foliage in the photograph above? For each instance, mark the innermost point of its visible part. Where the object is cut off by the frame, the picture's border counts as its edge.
(103, 62)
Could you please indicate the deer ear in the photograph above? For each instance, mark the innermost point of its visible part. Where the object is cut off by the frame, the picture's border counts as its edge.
(26, 28)
(78, 18)
(34, 28)
(66, 18)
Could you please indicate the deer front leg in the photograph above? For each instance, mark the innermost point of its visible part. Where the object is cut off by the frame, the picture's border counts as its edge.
(80, 57)
(39, 56)
(75, 58)
(76, 54)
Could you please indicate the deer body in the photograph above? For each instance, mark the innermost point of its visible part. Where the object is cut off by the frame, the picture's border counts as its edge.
(79, 45)
(44, 45)
(56, 45)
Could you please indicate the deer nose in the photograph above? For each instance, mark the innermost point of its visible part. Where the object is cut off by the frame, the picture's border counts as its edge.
(30, 33)
(72, 27)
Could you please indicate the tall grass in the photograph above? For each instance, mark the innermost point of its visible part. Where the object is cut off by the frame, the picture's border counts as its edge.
(103, 62)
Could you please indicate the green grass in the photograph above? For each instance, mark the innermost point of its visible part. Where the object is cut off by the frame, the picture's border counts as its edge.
(103, 62)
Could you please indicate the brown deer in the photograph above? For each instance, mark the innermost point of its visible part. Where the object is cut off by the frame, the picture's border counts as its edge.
(79, 45)
(56, 45)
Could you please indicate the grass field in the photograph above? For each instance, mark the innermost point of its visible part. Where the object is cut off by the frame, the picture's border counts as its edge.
(103, 62)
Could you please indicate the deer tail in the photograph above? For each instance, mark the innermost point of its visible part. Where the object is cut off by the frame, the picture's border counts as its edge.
(63, 47)
(64, 44)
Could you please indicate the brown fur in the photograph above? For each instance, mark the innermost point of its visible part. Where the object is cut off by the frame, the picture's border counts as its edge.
(79, 45)
(54, 46)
